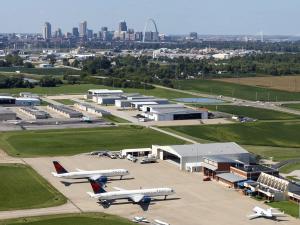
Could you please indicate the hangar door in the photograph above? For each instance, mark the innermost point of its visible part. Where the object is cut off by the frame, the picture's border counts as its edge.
(164, 155)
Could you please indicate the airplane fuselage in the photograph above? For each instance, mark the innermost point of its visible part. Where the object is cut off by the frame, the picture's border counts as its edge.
(125, 194)
(88, 174)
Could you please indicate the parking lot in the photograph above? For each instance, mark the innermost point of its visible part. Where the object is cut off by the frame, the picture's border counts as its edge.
(195, 202)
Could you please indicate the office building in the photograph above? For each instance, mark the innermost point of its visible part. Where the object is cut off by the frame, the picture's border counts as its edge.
(75, 32)
(122, 26)
(83, 29)
(47, 31)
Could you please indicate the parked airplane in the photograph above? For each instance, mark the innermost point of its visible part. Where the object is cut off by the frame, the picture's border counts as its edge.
(83, 174)
(268, 213)
(139, 219)
(158, 222)
(137, 196)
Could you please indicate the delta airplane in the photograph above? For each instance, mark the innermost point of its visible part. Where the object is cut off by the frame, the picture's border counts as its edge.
(137, 196)
(61, 172)
(158, 222)
(140, 219)
(268, 213)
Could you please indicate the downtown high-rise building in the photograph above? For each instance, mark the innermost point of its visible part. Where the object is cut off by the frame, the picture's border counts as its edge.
(47, 31)
(75, 32)
(83, 29)
(122, 26)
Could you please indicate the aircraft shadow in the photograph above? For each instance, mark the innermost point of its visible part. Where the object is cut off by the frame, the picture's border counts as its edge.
(144, 206)
(69, 183)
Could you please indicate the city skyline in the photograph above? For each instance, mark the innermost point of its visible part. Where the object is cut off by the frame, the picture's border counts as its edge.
(173, 17)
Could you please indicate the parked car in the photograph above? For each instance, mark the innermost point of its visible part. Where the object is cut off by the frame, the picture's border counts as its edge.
(206, 179)
(131, 158)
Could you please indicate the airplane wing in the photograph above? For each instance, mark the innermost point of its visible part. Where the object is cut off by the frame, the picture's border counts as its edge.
(119, 189)
(79, 170)
(253, 216)
(136, 198)
(95, 177)
(279, 214)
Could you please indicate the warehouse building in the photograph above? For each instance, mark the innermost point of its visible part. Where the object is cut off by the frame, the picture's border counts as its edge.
(34, 113)
(106, 100)
(91, 109)
(27, 101)
(65, 111)
(6, 114)
(7, 100)
(152, 108)
(103, 92)
(169, 112)
(191, 157)
(124, 103)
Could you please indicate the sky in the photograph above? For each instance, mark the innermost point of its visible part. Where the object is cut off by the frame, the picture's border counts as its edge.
(172, 16)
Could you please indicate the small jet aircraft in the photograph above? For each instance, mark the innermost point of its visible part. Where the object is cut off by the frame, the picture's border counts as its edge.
(61, 172)
(265, 213)
(158, 222)
(137, 196)
(140, 219)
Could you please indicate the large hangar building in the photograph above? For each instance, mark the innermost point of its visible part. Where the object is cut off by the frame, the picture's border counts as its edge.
(193, 155)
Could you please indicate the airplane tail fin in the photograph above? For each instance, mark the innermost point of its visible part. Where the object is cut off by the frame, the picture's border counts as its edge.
(59, 168)
(97, 186)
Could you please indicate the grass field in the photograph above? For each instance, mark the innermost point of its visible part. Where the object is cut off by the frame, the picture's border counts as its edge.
(83, 88)
(65, 101)
(70, 219)
(285, 83)
(277, 153)
(287, 207)
(292, 106)
(252, 112)
(236, 90)
(42, 71)
(22, 188)
(280, 134)
(290, 168)
(75, 141)
(114, 119)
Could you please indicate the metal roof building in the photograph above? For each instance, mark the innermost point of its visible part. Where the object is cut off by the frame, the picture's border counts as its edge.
(195, 153)
(6, 114)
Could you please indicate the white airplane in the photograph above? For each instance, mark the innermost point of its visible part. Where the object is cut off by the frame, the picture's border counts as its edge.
(268, 213)
(137, 196)
(139, 219)
(61, 172)
(158, 222)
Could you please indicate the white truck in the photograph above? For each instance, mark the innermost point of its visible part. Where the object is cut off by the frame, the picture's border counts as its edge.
(148, 159)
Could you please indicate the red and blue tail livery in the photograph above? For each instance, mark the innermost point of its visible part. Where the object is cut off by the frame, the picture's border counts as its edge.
(97, 186)
(59, 168)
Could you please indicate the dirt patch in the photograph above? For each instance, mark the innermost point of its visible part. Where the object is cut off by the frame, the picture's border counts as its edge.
(285, 83)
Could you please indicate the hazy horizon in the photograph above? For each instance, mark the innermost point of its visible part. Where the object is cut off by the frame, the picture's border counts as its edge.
(215, 17)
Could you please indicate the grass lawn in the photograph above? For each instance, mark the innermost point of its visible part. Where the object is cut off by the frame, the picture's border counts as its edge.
(292, 106)
(236, 90)
(22, 188)
(70, 219)
(252, 112)
(65, 101)
(290, 168)
(42, 71)
(277, 153)
(75, 141)
(294, 178)
(83, 88)
(114, 119)
(280, 134)
(288, 207)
